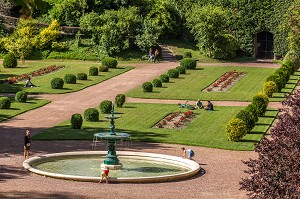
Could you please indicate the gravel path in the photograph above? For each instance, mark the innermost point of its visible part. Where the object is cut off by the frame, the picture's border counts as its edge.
(222, 169)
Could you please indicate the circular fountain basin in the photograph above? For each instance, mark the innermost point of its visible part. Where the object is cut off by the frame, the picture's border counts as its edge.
(137, 167)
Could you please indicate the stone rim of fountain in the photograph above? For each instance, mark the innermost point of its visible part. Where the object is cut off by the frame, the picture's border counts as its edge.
(193, 166)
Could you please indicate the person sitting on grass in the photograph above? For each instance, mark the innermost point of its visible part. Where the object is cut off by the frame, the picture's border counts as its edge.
(209, 107)
(28, 83)
(104, 174)
(199, 104)
(187, 153)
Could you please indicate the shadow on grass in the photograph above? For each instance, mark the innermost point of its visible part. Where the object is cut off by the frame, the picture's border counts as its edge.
(11, 88)
(248, 140)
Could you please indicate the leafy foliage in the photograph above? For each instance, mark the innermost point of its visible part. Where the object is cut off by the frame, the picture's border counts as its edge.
(164, 78)
(292, 58)
(57, 83)
(110, 62)
(76, 121)
(47, 35)
(70, 79)
(248, 118)
(253, 110)
(157, 83)
(5, 103)
(10, 61)
(147, 87)
(269, 88)
(261, 102)
(82, 76)
(120, 100)
(236, 129)
(103, 69)
(181, 69)
(91, 115)
(93, 71)
(188, 63)
(105, 106)
(21, 96)
(173, 73)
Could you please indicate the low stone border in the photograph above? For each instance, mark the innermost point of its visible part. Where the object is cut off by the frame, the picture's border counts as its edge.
(193, 166)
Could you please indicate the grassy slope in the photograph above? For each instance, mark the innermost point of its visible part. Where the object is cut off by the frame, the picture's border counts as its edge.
(137, 119)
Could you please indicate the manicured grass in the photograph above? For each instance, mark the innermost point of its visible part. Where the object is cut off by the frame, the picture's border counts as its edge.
(207, 130)
(189, 86)
(43, 82)
(18, 108)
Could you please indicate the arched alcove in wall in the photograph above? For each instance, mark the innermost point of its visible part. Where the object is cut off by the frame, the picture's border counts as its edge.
(264, 43)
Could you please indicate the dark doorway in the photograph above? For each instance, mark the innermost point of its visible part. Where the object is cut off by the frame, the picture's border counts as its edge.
(264, 45)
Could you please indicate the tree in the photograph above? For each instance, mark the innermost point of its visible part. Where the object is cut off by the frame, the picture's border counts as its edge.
(275, 174)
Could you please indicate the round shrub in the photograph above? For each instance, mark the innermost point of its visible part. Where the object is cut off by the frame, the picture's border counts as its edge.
(261, 102)
(292, 58)
(4, 103)
(269, 88)
(164, 78)
(181, 69)
(57, 83)
(10, 61)
(76, 121)
(109, 62)
(248, 118)
(277, 80)
(188, 63)
(82, 76)
(91, 115)
(173, 73)
(187, 55)
(70, 79)
(120, 100)
(236, 129)
(157, 83)
(105, 106)
(283, 75)
(290, 66)
(21, 96)
(147, 87)
(103, 69)
(253, 110)
(93, 71)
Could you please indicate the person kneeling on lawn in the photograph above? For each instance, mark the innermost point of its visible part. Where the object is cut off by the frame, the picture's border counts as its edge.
(209, 107)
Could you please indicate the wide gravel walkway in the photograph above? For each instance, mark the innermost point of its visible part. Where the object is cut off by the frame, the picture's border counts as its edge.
(222, 169)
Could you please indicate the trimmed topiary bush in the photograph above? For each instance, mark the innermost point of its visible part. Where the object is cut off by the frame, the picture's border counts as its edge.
(5, 103)
(187, 55)
(261, 102)
(105, 106)
(109, 62)
(236, 129)
(103, 69)
(188, 63)
(277, 80)
(70, 79)
(147, 87)
(248, 118)
(10, 61)
(76, 121)
(21, 96)
(173, 73)
(290, 66)
(120, 100)
(269, 88)
(181, 69)
(82, 76)
(157, 83)
(164, 78)
(292, 58)
(93, 71)
(253, 110)
(284, 76)
(91, 115)
(57, 83)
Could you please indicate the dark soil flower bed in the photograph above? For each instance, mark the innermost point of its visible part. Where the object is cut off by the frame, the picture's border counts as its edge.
(225, 82)
(176, 120)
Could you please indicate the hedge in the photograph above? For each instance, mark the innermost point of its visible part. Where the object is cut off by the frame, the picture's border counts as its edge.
(109, 62)
(76, 121)
(188, 63)
(236, 129)
(21, 96)
(57, 83)
(269, 88)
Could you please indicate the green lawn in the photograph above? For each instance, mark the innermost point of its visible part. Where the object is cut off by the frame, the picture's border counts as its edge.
(207, 130)
(189, 86)
(18, 108)
(43, 82)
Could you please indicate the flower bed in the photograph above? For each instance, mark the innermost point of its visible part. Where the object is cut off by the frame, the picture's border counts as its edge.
(39, 72)
(176, 120)
(225, 82)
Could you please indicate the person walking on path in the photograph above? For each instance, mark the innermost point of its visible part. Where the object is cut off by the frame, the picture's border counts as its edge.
(188, 153)
(150, 55)
(104, 174)
(27, 144)
(156, 54)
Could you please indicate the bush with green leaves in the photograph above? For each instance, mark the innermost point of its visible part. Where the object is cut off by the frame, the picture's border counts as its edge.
(290, 67)
(284, 75)
(187, 54)
(292, 58)
(57, 83)
(188, 63)
(93, 71)
(248, 118)
(181, 69)
(236, 129)
(173, 73)
(253, 110)
(76, 121)
(110, 62)
(82, 76)
(147, 87)
(10, 61)
(105, 106)
(91, 115)
(120, 100)
(269, 88)
(157, 83)
(5, 103)
(261, 102)
(164, 78)
(277, 80)
(21, 96)
(103, 69)
(70, 79)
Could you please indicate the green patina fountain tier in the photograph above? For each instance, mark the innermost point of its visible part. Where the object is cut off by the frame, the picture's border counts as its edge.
(111, 160)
